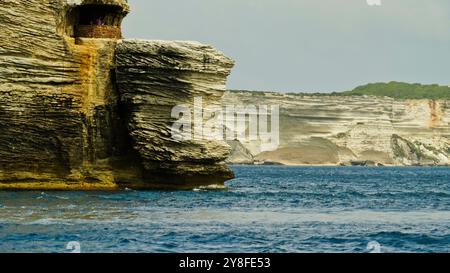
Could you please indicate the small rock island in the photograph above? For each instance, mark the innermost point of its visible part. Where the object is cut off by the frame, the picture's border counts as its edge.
(84, 109)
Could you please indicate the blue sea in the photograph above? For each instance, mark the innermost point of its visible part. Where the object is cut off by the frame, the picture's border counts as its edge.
(265, 209)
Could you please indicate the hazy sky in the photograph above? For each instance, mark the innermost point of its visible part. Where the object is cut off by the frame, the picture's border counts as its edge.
(309, 45)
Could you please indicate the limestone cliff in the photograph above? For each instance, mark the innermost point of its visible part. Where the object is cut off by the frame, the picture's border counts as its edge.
(353, 130)
(64, 122)
(152, 78)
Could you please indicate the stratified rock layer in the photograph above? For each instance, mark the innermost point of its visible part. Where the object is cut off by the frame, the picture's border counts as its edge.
(61, 121)
(353, 130)
(56, 98)
(152, 78)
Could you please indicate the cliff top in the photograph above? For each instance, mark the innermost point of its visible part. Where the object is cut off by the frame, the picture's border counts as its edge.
(396, 90)
(401, 90)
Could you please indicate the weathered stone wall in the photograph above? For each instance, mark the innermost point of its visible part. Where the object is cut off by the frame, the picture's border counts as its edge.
(109, 32)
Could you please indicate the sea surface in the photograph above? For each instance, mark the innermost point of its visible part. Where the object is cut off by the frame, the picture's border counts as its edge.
(265, 209)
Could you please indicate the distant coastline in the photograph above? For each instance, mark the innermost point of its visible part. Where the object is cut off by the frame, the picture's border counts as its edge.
(379, 124)
(393, 89)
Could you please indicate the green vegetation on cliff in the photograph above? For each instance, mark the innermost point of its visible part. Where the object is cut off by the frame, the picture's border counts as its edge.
(400, 90)
(396, 90)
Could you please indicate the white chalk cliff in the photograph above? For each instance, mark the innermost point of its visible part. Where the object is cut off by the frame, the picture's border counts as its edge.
(351, 130)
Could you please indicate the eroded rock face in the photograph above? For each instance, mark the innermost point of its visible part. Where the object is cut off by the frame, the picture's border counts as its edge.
(152, 78)
(56, 94)
(61, 121)
(351, 130)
